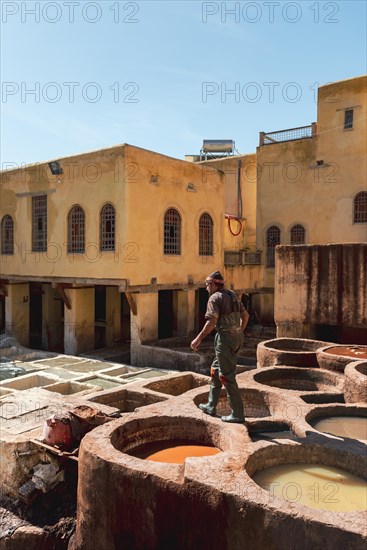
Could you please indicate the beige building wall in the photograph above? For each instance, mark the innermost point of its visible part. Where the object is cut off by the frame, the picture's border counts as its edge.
(141, 185)
(343, 151)
(239, 202)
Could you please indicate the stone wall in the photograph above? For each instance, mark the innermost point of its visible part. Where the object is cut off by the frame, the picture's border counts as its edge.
(320, 285)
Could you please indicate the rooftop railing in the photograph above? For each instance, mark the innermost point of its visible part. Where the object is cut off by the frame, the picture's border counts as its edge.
(291, 134)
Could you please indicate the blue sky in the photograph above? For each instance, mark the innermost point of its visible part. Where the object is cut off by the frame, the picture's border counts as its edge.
(159, 74)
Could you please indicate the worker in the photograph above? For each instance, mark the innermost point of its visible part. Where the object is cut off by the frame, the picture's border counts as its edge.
(227, 314)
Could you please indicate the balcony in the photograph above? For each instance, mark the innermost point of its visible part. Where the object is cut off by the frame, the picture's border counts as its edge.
(241, 257)
(291, 134)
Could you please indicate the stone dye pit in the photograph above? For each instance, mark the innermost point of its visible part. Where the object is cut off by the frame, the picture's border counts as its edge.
(153, 504)
(127, 498)
(297, 352)
(344, 426)
(317, 486)
(356, 382)
(300, 380)
(337, 357)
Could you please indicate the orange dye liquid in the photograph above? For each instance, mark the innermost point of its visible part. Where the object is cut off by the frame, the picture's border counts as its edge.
(178, 454)
(173, 451)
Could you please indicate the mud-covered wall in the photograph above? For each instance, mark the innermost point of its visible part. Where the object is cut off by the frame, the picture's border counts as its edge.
(320, 285)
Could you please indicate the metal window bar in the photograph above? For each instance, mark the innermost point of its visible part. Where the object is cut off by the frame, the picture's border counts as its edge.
(298, 234)
(76, 230)
(205, 235)
(348, 119)
(7, 235)
(290, 134)
(172, 232)
(360, 208)
(107, 228)
(39, 223)
(272, 239)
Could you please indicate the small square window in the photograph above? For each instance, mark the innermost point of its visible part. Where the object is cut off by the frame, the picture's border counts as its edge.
(348, 119)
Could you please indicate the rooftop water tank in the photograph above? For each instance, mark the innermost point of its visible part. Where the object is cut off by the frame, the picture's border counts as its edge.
(218, 146)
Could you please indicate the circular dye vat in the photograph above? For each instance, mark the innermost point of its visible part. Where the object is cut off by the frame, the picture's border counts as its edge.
(173, 452)
(354, 427)
(299, 379)
(355, 352)
(315, 486)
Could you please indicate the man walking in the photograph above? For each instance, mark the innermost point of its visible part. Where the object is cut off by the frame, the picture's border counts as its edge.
(228, 315)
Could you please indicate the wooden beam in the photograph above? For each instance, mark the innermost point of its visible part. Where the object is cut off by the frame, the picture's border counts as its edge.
(131, 303)
(61, 290)
(68, 280)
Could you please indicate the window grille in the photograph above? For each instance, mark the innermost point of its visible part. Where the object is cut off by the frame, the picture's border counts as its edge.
(39, 223)
(107, 227)
(298, 234)
(360, 208)
(76, 230)
(172, 232)
(7, 235)
(205, 235)
(348, 119)
(272, 239)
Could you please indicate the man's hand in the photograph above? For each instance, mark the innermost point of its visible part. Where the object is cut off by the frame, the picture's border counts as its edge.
(195, 343)
(208, 327)
(244, 319)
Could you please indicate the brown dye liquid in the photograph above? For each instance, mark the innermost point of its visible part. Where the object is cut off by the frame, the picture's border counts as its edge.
(316, 486)
(356, 352)
(173, 452)
(354, 427)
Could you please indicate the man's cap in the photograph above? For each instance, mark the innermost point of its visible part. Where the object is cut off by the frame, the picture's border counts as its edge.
(215, 277)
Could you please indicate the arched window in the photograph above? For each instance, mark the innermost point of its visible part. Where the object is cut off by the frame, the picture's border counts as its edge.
(272, 239)
(360, 208)
(76, 230)
(298, 234)
(7, 235)
(107, 227)
(172, 232)
(205, 235)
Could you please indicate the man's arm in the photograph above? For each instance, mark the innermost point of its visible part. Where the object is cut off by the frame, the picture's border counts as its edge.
(244, 319)
(207, 329)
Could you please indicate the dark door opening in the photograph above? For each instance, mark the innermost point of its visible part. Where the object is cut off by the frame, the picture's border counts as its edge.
(99, 317)
(167, 323)
(201, 300)
(327, 333)
(2, 313)
(35, 316)
(125, 333)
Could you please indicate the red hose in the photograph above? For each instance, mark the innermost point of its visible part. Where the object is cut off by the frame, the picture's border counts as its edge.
(229, 218)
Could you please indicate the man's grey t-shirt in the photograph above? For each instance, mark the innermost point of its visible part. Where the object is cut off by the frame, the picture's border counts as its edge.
(224, 306)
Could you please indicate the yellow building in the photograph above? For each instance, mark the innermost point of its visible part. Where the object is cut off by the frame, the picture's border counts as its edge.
(108, 245)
